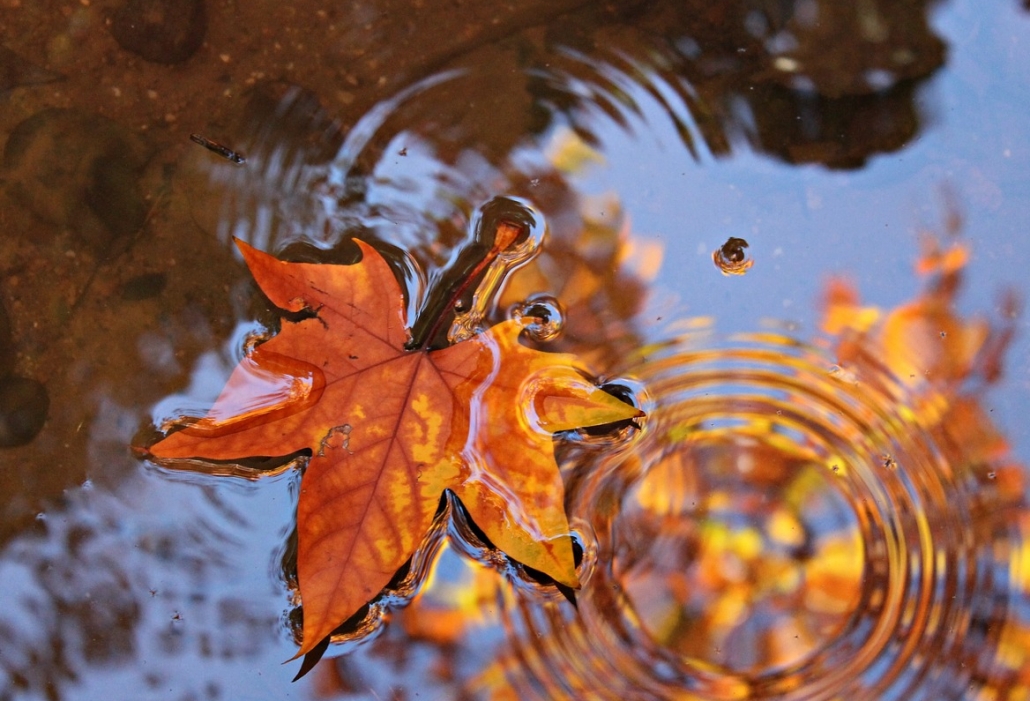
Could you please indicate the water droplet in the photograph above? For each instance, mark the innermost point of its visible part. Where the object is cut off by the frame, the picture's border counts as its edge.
(514, 225)
(541, 316)
(331, 440)
(732, 259)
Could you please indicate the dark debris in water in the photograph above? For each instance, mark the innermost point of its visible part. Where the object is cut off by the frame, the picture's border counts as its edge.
(732, 257)
(220, 149)
(144, 286)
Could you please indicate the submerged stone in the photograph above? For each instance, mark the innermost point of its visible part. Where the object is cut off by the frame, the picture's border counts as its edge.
(162, 31)
(79, 170)
(24, 403)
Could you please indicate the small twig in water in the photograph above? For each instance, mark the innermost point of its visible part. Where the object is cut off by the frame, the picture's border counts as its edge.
(215, 147)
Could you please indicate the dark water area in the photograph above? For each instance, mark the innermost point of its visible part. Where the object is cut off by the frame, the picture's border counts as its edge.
(828, 498)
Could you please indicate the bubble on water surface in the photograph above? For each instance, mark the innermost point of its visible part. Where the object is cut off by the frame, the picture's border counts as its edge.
(541, 316)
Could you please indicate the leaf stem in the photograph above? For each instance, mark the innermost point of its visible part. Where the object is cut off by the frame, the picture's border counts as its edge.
(506, 234)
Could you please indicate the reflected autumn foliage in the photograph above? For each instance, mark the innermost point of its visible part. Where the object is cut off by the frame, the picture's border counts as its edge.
(792, 517)
(523, 107)
(925, 341)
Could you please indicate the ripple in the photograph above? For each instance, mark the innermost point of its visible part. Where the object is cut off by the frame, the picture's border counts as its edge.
(755, 542)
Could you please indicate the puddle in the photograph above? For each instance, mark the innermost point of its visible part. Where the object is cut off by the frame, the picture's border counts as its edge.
(827, 497)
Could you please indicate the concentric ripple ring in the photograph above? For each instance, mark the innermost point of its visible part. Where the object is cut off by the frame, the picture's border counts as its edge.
(781, 528)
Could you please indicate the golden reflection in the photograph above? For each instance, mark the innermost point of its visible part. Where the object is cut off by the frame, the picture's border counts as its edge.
(793, 519)
(723, 560)
(923, 340)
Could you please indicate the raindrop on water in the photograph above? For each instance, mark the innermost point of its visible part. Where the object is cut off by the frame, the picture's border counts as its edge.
(541, 316)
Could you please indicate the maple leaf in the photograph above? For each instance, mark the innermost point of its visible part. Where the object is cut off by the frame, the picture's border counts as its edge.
(389, 429)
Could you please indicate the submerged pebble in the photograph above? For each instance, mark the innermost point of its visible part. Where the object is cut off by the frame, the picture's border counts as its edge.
(79, 170)
(162, 31)
(23, 409)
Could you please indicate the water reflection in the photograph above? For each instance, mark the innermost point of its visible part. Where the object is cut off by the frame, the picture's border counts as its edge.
(525, 111)
(113, 582)
(806, 81)
(789, 526)
(525, 101)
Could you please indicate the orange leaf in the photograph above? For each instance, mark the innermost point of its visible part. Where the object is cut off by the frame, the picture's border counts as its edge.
(390, 429)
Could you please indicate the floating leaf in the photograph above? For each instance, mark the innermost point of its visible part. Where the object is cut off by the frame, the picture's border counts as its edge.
(390, 428)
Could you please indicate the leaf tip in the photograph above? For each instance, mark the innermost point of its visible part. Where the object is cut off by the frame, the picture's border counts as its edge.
(311, 657)
(569, 593)
(366, 248)
(249, 253)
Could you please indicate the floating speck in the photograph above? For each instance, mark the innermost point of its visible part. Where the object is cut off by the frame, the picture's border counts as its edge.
(732, 259)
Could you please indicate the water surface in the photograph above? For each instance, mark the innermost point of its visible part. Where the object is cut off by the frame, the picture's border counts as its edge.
(836, 142)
